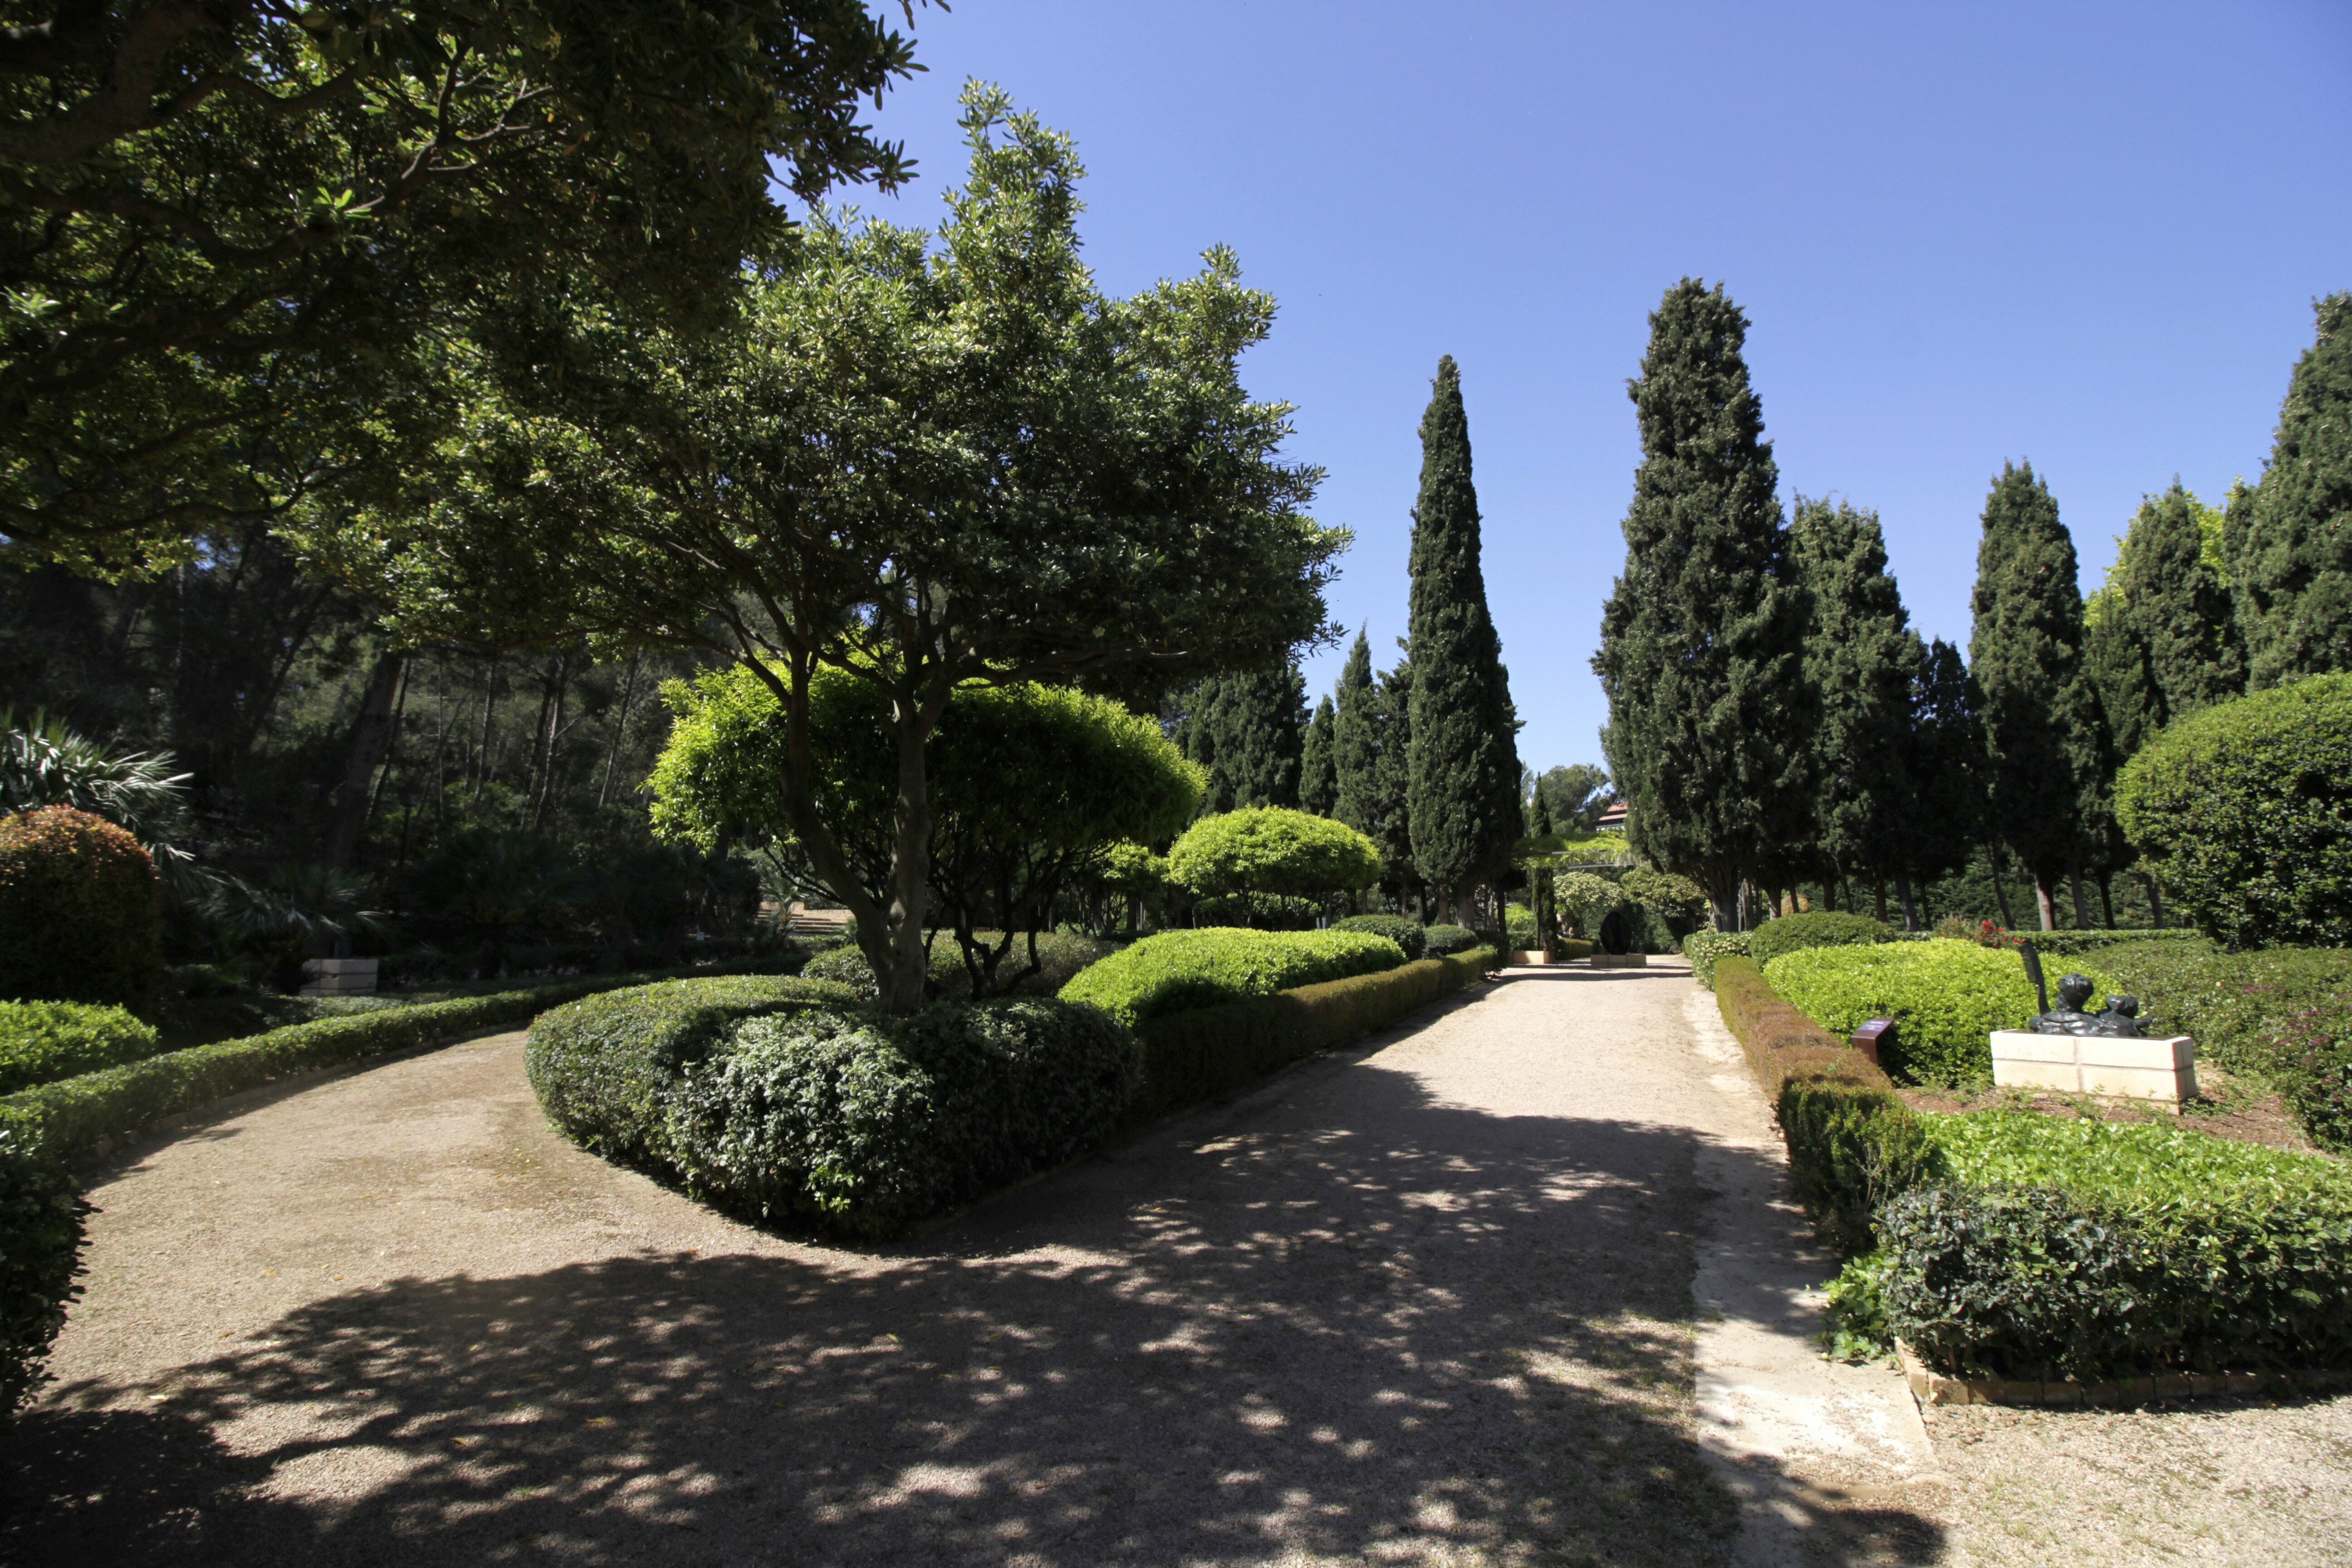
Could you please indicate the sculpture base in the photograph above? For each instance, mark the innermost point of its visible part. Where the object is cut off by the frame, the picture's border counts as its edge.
(2162, 1072)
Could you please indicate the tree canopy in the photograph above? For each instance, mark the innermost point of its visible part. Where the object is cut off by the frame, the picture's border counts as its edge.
(2292, 565)
(923, 466)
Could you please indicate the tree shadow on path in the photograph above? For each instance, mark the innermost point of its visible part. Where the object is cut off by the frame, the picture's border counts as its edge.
(1429, 1333)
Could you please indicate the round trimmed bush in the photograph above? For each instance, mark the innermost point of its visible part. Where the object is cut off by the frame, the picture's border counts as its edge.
(1821, 928)
(1182, 971)
(41, 1215)
(2245, 810)
(1440, 941)
(80, 912)
(1272, 849)
(1402, 929)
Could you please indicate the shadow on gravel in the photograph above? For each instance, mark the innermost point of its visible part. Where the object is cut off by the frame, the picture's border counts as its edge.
(1428, 1332)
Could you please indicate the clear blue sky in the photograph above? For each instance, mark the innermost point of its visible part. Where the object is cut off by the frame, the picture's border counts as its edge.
(2087, 236)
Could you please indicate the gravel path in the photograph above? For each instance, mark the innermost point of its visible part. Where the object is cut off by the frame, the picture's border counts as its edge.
(1428, 1300)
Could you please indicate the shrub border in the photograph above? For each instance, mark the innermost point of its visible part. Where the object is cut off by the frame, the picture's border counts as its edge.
(72, 1119)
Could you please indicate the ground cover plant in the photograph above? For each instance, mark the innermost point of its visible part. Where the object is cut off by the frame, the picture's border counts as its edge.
(1945, 998)
(1179, 971)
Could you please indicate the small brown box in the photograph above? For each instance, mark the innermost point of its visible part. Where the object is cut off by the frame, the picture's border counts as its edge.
(1870, 1035)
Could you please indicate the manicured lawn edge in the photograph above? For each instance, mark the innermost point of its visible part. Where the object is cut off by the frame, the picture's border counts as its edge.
(1189, 1058)
(68, 1120)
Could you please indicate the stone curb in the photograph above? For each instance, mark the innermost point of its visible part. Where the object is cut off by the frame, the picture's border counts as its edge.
(1935, 1388)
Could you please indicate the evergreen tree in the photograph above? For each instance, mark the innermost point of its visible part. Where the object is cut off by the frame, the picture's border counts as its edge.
(2292, 572)
(1943, 760)
(2162, 641)
(1318, 779)
(2047, 750)
(1391, 725)
(1245, 730)
(1538, 814)
(1463, 791)
(1701, 640)
(1861, 659)
(1575, 795)
(1355, 742)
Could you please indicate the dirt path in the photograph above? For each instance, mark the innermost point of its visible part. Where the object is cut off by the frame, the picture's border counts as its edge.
(1425, 1302)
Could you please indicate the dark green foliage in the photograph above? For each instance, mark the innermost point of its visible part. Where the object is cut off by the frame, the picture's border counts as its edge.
(41, 1215)
(1852, 1148)
(2046, 743)
(1356, 739)
(2308, 1052)
(80, 912)
(2233, 1005)
(1249, 731)
(2244, 812)
(42, 1041)
(1861, 658)
(1945, 759)
(1197, 1056)
(1178, 971)
(1318, 772)
(1702, 638)
(1819, 928)
(1408, 933)
(69, 1118)
(864, 1124)
(1060, 957)
(1464, 794)
(1574, 796)
(1392, 793)
(2164, 643)
(2291, 561)
(602, 1065)
(1440, 941)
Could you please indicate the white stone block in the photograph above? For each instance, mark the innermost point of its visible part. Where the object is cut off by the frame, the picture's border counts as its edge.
(2162, 1070)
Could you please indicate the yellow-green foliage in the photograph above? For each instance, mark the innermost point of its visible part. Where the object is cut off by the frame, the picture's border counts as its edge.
(1945, 998)
(1178, 971)
(1271, 849)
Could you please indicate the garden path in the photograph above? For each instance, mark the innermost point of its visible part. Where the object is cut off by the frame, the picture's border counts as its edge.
(1425, 1301)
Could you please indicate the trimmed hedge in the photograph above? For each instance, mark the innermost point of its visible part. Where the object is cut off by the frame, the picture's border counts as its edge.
(2069, 942)
(2232, 1003)
(1944, 997)
(1404, 931)
(2310, 1054)
(81, 914)
(1062, 956)
(600, 1065)
(2241, 810)
(1703, 948)
(1817, 927)
(42, 1041)
(1437, 942)
(1197, 1056)
(2093, 1250)
(865, 1125)
(41, 1215)
(1180, 971)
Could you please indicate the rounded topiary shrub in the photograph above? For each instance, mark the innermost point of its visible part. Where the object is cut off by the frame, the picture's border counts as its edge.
(1402, 929)
(41, 1215)
(2245, 810)
(80, 912)
(1821, 928)
(1440, 940)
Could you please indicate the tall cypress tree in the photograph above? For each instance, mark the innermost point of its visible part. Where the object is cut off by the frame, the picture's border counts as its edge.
(1318, 778)
(1355, 741)
(2292, 573)
(2163, 641)
(2047, 750)
(1464, 794)
(1702, 638)
(1391, 826)
(1245, 730)
(1861, 658)
(1943, 760)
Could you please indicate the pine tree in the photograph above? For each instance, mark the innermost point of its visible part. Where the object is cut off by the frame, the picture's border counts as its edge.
(1861, 658)
(2162, 638)
(2046, 745)
(1701, 640)
(1945, 764)
(1318, 779)
(2292, 573)
(1464, 795)
(1355, 743)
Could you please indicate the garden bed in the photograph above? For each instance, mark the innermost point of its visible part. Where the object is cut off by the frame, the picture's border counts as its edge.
(2226, 1107)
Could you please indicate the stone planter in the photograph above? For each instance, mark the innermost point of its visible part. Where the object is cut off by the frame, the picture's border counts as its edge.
(338, 976)
(1620, 961)
(2161, 1072)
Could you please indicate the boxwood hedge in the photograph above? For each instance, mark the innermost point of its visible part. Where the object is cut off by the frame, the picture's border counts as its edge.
(1703, 948)
(1404, 931)
(42, 1041)
(1178, 971)
(1440, 939)
(1817, 927)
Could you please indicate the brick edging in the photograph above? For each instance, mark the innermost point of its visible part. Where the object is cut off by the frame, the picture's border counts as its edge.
(1935, 1388)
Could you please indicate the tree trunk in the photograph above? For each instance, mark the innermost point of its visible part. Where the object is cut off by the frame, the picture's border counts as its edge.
(2082, 904)
(370, 733)
(2107, 898)
(2045, 905)
(1882, 901)
(1910, 909)
(1999, 893)
(2155, 902)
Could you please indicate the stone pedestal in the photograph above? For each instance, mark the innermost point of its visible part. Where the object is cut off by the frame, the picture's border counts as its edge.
(2162, 1071)
(338, 976)
(1621, 961)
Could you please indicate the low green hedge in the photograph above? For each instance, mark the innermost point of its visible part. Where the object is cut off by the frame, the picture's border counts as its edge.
(1404, 931)
(1439, 941)
(2092, 1249)
(2309, 1053)
(1180, 971)
(1815, 927)
(41, 1215)
(43, 1041)
(1196, 1056)
(1945, 998)
(1564, 948)
(2068, 942)
(602, 1066)
(2229, 1003)
(865, 1125)
(1703, 948)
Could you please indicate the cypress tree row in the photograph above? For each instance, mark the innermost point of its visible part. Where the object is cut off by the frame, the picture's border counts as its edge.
(1462, 795)
(1247, 730)
(1943, 760)
(1392, 725)
(1318, 780)
(1861, 658)
(2291, 569)
(1355, 743)
(2048, 754)
(2162, 640)
(1701, 640)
